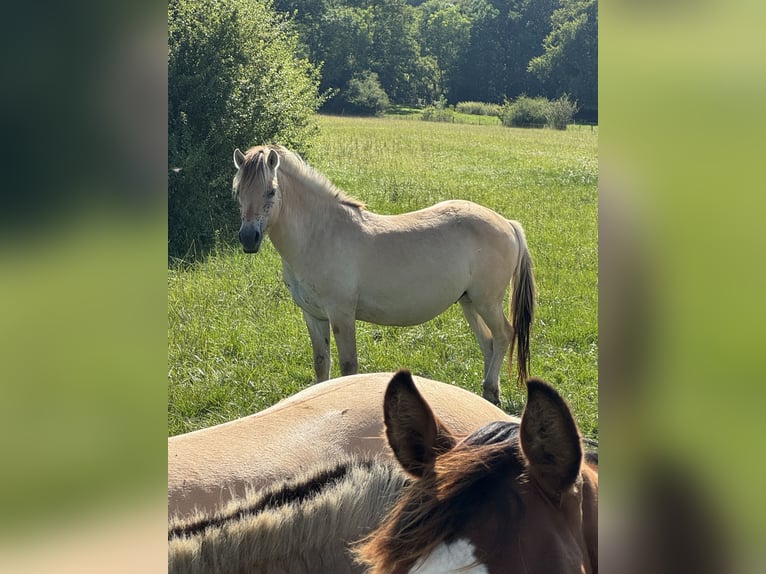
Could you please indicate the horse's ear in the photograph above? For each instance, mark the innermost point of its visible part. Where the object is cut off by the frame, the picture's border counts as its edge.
(550, 439)
(273, 159)
(414, 433)
(239, 158)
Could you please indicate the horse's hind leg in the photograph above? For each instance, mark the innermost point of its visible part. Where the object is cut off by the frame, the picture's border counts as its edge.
(502, 334)
(479, 328)
(319, 331)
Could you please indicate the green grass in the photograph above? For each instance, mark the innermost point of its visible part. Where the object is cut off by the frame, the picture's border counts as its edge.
(237, 343)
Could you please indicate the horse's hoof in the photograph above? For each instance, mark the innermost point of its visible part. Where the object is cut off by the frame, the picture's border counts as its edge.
(493, 398)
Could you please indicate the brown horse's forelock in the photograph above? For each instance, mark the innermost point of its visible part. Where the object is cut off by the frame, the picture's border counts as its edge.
(468, 482)
(284, 494)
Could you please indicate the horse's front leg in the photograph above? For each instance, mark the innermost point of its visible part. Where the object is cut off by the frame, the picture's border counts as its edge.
(344, 331)
(319, 331)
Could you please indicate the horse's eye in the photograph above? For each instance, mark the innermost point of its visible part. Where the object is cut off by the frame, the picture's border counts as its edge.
(271, 193)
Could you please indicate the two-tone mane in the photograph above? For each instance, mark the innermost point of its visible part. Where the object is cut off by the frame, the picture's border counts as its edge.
(301, 526)
(293, 167)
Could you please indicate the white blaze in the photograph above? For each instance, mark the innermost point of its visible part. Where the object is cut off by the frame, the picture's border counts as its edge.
(446, 558)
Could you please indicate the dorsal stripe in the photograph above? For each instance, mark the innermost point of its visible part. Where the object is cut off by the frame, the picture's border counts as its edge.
(288, 493)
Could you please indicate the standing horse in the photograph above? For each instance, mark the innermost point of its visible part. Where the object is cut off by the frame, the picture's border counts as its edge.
(516, 498)
(342, 263)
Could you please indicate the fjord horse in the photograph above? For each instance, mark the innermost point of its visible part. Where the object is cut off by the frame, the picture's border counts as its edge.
(342, 263)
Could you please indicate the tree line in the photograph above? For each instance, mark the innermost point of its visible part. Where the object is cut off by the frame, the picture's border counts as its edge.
(460, 50)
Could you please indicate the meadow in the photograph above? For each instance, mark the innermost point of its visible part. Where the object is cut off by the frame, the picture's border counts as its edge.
(238, 344)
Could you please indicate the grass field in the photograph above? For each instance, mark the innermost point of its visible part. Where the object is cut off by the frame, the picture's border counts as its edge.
(237, 343)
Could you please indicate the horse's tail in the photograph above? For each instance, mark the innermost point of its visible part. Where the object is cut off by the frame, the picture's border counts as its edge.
(521, 306)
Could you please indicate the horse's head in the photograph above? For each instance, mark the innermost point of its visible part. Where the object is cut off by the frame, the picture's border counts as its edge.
(257, 190)
(508, 498)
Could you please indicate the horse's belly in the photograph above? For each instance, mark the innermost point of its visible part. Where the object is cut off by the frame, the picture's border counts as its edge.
(404, 308)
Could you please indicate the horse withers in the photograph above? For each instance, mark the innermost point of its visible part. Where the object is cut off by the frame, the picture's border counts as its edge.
(516, 498)
(342, 262)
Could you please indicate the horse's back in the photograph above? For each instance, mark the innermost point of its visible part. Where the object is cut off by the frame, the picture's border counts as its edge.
(327, 421)
(411, 267)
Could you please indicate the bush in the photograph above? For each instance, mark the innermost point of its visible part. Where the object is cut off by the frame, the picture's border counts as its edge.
(234, 80)
(561, 112)
(477, 108)
(524, 112)
(439, 112)
(364, 95)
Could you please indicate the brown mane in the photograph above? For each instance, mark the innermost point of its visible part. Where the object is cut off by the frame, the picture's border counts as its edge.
(461, 488)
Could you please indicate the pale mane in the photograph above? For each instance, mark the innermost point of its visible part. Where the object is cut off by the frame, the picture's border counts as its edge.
(300, 526)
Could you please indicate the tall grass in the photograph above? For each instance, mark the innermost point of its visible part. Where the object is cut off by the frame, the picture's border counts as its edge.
(237, 342)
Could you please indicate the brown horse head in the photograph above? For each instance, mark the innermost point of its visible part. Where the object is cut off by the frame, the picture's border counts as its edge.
(509, 498)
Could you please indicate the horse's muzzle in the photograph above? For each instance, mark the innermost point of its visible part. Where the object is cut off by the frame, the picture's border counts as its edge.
(250, 237)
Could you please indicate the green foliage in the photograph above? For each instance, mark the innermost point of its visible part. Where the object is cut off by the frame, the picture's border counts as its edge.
(439, 112)
(365, 96)
(469, 50)
(444, 34)
(569, 62)
(234, 80)
(477, 108)
(237, 343)
(560, 112)
(525, 112)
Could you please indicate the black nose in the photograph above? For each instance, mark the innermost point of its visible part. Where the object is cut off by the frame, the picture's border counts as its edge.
(250, 238)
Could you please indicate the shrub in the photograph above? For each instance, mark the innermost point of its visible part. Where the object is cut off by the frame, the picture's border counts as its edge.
(561, 112)
(477, 108)
(524, 112)
(439, 112)
(234, 80)
(364, 95)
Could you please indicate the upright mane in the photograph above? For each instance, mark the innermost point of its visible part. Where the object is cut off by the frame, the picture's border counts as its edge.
(289, 527)
(292, 165)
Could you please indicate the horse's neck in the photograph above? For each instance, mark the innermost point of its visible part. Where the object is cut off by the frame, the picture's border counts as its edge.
(306, 215)
(298, 536)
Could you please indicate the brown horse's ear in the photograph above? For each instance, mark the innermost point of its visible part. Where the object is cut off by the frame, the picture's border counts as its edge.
(550, 439)
(273, 160)
(414, 433)
(239, 158)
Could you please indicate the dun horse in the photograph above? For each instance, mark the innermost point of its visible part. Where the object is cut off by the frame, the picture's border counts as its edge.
(511, 498)
(342, 263)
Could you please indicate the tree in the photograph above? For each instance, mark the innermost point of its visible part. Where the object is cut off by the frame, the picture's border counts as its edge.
(395, 49)
(343, 44)
(234, 80)
(569, 62)
(445, 33)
